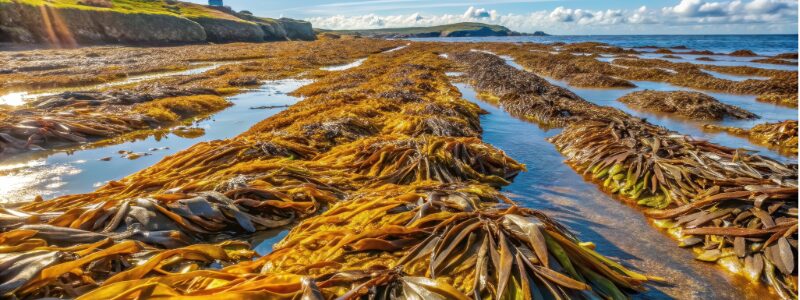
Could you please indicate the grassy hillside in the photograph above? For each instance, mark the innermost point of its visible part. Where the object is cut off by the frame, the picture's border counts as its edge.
(68, 23)
(173, 8)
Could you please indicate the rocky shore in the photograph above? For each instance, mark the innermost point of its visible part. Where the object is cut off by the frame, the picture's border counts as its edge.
(154, 23)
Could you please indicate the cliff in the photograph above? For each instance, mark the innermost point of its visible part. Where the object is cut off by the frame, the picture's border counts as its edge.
(74, 22)
(450, 30)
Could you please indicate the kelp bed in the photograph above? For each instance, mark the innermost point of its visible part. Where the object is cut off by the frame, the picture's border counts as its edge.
(778, 135)
(575, 62)
(382, 170)
(691, 105)
(731, 207)
(103, 113)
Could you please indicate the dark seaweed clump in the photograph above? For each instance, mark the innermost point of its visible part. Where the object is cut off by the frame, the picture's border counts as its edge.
(693, 105)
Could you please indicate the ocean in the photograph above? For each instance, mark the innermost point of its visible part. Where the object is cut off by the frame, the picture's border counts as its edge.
(762, 44)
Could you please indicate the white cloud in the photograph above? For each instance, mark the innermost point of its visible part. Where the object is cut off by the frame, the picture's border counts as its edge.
(479, 13)
(735, 16)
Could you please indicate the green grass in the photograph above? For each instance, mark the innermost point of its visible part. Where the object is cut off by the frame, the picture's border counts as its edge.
(420, 30)
(181, 9)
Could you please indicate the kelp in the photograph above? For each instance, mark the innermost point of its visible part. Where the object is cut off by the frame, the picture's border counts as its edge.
(732, 207)
(433, 240)
(564, 66)
(111, 111)
(778, 135)
(524, 94)
(38, 268)
(596, 80)
(692, 105)
(381, 208)
(779, 99)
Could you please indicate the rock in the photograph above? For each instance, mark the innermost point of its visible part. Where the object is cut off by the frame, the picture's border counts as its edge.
(742, 52)
(22, 23)
(223, 30)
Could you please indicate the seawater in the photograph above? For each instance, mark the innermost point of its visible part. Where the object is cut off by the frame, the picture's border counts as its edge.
(761, 44)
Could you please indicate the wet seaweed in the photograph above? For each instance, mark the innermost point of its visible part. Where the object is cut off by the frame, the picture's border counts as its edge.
(732, 207)
(779, 135)
(692, 105)
(380, 207)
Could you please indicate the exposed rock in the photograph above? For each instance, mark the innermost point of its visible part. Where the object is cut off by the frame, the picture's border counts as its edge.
(693, 105)
(743, 52)
(223, 31)
(792, 55)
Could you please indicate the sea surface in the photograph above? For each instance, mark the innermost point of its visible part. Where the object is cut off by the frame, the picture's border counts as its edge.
(766, 45)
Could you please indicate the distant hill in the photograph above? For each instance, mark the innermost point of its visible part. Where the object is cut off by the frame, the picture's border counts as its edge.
(465, 29)
(73, 22)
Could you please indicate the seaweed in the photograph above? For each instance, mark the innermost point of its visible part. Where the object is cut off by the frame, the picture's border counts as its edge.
(732, 207)
(380, 209)
(778, 135)
(693, 105)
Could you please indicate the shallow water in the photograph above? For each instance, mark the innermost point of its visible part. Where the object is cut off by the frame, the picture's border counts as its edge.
(346, 66)
(618, 230)
(733, 77)
(82, 171)
(719, 60)
(20, 98)
(768, 112)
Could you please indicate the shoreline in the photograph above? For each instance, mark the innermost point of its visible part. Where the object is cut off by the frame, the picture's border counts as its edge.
(349, 125)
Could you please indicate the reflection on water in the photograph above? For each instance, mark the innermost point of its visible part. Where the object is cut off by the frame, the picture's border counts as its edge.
(264, 241)
(345, 66)
(83, 170)
(618, 230)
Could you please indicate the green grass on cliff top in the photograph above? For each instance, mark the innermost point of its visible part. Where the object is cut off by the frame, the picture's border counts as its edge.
(419, 30)
(182, 9)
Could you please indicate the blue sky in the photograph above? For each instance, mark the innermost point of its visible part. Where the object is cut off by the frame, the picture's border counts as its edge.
(552, 16)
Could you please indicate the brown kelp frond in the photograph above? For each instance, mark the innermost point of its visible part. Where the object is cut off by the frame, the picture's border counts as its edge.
(780, 135)
(596, 80)
(172, 221)
(628, 154)
(404, 161)
(718, 200)
(47, 270)
(780, 99)
(524, 94)
(454, 234)
(693, 105)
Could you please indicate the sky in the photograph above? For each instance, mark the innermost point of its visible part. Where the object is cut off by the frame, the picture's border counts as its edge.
(551, 16)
